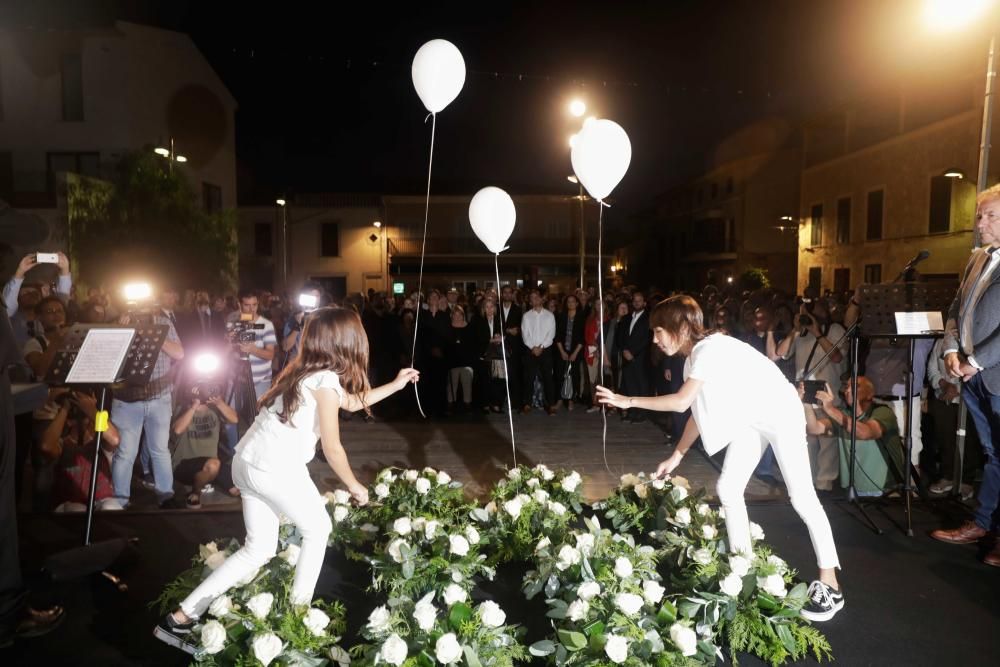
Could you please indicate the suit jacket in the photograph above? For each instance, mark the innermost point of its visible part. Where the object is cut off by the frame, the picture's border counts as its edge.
(513, 318)
(984, 340)
(637, 341)
(579, 322)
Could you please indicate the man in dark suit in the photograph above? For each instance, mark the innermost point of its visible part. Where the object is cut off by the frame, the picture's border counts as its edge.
(510, 319)
(632, 340)
(972, 353)
(202, 326)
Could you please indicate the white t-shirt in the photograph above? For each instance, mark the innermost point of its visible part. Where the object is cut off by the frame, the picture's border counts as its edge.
(270, 445)
(741, 388)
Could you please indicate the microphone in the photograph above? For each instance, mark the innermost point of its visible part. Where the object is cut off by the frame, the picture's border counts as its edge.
(921, 256)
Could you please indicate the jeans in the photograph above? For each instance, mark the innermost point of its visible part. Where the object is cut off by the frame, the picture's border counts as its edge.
(984, 408)
(788, 443)
(267, 495)
(132, 419)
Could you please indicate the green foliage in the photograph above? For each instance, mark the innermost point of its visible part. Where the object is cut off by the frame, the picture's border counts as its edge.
(143, 221)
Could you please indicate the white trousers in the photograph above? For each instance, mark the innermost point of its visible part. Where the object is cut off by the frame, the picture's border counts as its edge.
(788, 442)
(463, 375)
(267, 495)
(899, 409)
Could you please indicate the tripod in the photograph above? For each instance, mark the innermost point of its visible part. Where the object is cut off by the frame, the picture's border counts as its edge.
(243, 395)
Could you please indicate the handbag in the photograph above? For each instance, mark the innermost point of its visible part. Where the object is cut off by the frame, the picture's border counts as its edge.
(567, 384)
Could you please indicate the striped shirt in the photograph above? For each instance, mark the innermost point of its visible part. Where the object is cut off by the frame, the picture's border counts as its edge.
(261, 368)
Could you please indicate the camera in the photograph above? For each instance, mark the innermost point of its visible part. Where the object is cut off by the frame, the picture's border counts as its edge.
(805, 320)
(811, 387)
(207, 389)
(242, 331)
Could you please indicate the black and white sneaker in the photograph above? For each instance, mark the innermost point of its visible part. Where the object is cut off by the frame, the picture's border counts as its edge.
(178, 635)
(823, 603)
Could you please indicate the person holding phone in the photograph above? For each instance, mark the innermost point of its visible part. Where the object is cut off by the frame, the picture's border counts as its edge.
(270, 466)
(740, 400)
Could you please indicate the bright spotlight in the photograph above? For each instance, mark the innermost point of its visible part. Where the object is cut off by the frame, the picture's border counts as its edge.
(577, 108)
(206, 363)
(947, 15)
(135, 292)
(161, 151)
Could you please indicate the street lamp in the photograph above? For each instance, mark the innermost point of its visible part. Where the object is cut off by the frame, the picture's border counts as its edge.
(577, 108)
(381, 235)
(954, 172)
(170, 154)
(284, 242)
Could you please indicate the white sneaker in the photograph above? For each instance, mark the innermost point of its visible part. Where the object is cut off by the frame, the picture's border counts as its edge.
(823, 603)
(941, 487)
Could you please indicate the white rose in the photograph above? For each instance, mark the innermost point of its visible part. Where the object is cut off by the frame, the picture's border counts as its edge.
(732, 585)
(443, 478)
(684, 638)
(513, 508)
(394, 650)
(541, 496)
(340, 656)
(291, 554)
(704, 509)
(702, 556)
(653, 591)
(778, 563)
(423, 485)
(588, 590)
(457, 577)
(316, 621)
(678, 493)
(629, 603)
(214, 560)
(429, 471)
(658, 484)
(213, 636)
(542, 543)
(629, 480)
(722, 512)
(387, 476)
(395, 549)
(411, 475)
(340, 513)
(523, 498)
(266, 647)
(220, 606)
(756, 532)
(491, 614)
(514, 473)
(260, 605)
(328, 498)
(419, 524)
(472, 535)
(577, 610)
(425, 613)
(402, 526)
(740, 565)
(683, 517)
(206, 550)
(370, 528)
(585, 543)
(571, 482)
(447, 650)
(547, 474)
(378, 620)
(709, 532)
(773, 584)
(568, 557)
(616, 648)
(642, 491)
(341, 497)
(454, 593)
(557, 508)
(381, 491)
(458, 545)
(623, 567)
(430, 529)
(533, 483)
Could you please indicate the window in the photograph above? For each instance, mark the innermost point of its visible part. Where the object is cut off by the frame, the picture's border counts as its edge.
(211, 197)
(71, 68)
(876, 209)
(329, 239)
(85, 164)
(940, 209)
(816, 277)
(873, 274)
(841, 281)
(262, 239)
(816, 230)
(844, 221)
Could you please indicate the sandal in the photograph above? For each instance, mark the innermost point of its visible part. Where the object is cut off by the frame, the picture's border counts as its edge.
(193, 501)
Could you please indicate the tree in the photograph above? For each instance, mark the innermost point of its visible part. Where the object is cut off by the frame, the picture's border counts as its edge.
(146, 223)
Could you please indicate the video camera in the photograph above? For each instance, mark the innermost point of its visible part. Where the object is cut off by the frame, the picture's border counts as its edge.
(242, 330)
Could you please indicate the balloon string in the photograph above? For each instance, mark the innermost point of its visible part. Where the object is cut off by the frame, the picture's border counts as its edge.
(506, 374)
(423, 251)
(600, 300)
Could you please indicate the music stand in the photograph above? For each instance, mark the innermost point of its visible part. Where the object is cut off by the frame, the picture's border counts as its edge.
(898, 311)
(100, 356)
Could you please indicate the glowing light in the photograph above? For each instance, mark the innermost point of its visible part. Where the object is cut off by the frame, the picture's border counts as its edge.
(206, 363)
(279, 202)
(954, 173)
(577, 108)
(137, 292)
(953, 14)
(572, 141)
(181, 158)
(572, 178)
(378, 224)
(308, 301)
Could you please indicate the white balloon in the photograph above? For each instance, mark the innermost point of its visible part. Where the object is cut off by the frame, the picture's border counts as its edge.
(492, 215)
(438, 74)
(600, 156)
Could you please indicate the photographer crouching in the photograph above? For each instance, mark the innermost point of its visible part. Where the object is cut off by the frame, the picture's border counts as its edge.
(196, 435)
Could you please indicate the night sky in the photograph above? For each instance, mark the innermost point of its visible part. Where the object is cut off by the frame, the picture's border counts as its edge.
(327, 105)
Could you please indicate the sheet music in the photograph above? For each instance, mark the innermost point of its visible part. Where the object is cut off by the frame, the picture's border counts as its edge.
(914, 324)
(101, 356)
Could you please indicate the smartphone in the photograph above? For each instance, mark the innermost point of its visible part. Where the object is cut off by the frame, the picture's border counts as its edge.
(46, 258)
(811, 387)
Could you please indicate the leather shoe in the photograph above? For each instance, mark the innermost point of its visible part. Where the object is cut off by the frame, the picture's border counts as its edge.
(35, 623)
(967, 533)
(993, 557)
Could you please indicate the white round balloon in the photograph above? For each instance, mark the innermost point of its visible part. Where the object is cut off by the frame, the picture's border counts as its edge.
(492, 215)
(600, 156)
(438, 74)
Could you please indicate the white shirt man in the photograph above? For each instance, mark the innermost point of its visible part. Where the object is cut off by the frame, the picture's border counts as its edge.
(538, 330)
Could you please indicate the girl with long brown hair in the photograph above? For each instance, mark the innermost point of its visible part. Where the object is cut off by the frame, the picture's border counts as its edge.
(269, 467)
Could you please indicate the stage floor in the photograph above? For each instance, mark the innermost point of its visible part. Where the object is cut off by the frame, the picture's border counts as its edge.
(909, 601)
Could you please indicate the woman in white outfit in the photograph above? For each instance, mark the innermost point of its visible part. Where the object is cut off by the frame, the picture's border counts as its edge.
(269, 466)
(739, 398)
